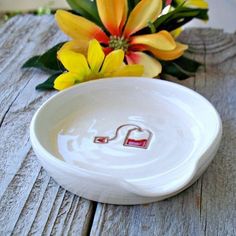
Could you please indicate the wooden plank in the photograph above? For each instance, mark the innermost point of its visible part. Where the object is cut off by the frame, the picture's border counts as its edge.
(209, 46)
(33, 204)
(218, 202)
(13, 81)
(26, 5)
(207, 207)
(30, 202)
(23, 40)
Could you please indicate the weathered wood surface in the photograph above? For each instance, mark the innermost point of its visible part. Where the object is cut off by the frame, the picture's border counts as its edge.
(31, 203)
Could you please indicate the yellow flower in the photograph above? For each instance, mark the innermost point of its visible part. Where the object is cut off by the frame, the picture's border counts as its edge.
(95, 66)
(175, 33)
(194, 3)
(123, 33)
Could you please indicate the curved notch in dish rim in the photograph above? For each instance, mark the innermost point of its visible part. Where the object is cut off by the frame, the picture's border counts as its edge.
(134, 185)
(140, 187)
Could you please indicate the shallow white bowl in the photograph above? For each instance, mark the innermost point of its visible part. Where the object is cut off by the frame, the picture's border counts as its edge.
(185, 135)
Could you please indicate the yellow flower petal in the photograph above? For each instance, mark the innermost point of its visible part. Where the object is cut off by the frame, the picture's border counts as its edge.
(152, 67)
(128, 70)
(161, 40)
(113, 14)
(144, 12)
(113, 61)
(175, 33)
(64, 81)
(80, 46)
(78, 27)
(74, 62)
(169, 55)
(95, 55)
(194, 3)
(125, 13)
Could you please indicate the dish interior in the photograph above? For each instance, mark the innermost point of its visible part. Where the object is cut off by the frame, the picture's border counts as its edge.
(176, 117)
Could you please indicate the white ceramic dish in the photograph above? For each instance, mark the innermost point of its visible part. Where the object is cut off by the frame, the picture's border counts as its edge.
(166, 136)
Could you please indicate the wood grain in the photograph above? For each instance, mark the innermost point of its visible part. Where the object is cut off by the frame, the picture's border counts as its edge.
(31, 203)
(209, 206)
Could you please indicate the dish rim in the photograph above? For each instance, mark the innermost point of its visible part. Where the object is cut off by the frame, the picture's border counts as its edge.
(47, 155)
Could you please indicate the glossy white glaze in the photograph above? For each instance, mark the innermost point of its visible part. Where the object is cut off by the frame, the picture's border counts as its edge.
(185, 129)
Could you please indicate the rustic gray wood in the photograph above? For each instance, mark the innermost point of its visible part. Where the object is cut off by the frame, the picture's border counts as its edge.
(31, 203)
(209, 206)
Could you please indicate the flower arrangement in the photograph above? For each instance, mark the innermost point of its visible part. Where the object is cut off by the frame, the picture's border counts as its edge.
(111, 38)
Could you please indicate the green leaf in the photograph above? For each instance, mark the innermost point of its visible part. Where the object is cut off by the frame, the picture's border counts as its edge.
(31, 62)
(163, 3)
(87, 9)
(182, 68)
(180, 16)
(168, 16)
(152, 27)
(48, 84)
(187, 64)
(132, 4)
(175, 3)
(46, 61)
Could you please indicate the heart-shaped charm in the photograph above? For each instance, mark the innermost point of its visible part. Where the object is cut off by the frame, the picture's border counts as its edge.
(138, 138)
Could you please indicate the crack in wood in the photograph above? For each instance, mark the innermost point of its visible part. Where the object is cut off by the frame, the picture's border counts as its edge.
(11, 104)
(91, 216)
(45, 207)
(23, 223)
